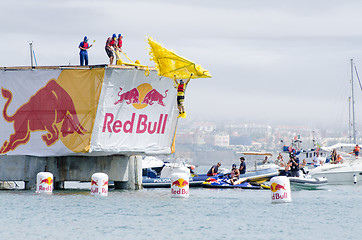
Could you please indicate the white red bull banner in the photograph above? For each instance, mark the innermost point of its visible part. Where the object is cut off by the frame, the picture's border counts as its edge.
(136, 113)
(54, 112)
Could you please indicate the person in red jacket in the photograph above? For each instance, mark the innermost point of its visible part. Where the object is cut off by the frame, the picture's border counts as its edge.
(119, 44)
(356, 150)
(84, 46)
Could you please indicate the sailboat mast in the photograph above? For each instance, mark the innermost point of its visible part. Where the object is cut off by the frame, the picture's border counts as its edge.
(31, 53)
(353, 117)
(349, 121)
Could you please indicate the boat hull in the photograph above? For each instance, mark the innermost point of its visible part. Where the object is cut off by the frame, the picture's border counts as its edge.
(307, 183)
(166, 182)
(224, 184)
(339, 174)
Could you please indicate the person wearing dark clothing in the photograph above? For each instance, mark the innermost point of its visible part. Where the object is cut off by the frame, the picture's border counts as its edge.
(110, 43)
(294, 167)
(214, 169)
(242, 167)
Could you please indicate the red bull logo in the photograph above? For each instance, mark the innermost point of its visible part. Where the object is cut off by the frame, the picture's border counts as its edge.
(111, 124)
(180, 183)
(95, 183)
(182, 187)
(51, 109)
(276, 187)
(141, 96)
(48, 181)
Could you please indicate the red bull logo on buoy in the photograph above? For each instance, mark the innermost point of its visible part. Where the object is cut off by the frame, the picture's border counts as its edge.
(280, 189)
(48, 181)
(180, 183)
(276, 187)
(180, 187)
(44, 182)
(99, 184)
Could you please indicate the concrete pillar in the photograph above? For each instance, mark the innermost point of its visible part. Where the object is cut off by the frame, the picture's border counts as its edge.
(59, 185)
(134, 174)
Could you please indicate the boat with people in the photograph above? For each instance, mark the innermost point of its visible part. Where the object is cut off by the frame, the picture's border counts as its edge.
(348, 168)
(260, 160)
(348, 172)
(157, 174)
(152, 179)
(225, 183)
(249, 180)
(165, 182)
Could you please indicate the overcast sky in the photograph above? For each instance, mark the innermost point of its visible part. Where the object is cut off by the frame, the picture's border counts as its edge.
(277, 62)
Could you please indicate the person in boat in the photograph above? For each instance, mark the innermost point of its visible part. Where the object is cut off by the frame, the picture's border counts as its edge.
(280, 161)
(356, 150)
(294, 166)
(317, 161)
(286, 171)
(339, 159)
(266, 160)
(84, 46)
(234, 174)
(303, 166)
(181, 87)
(214, 170)
(292, 152)
(334, 156)
(242, 167)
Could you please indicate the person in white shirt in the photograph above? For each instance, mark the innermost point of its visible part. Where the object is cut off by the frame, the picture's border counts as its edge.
(317, 160)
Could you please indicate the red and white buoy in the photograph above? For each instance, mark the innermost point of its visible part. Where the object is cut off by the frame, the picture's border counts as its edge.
(180, 184)
(44, 182)
(280, 189)
(99, 184)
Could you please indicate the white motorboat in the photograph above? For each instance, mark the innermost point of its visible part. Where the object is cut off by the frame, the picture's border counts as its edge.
(307, 182)
(348, 172)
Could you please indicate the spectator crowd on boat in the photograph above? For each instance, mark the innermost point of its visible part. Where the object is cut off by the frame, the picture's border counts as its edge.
(291, 167)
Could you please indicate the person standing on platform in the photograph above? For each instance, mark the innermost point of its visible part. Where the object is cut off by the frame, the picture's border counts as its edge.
(117, 45)
(84, 46)
(119, 42)
(110, 48)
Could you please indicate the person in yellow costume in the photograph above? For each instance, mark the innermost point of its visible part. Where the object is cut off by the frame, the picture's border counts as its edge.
(181, 87)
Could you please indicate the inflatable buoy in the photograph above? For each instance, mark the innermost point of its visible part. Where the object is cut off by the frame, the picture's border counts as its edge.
(99, 184)
(44, 182)
(280, 189)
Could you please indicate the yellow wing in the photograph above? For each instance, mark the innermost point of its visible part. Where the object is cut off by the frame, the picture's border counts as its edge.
(168, 63)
